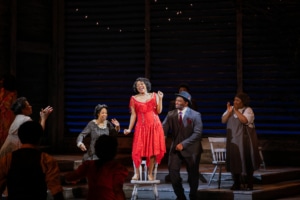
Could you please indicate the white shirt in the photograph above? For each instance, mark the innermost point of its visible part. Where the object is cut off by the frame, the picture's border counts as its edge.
(182, 112)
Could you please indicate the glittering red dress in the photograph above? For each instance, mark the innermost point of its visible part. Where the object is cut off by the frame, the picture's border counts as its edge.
(148, 137)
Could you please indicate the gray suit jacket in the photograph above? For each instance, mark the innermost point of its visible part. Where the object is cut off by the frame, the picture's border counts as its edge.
(189, 134)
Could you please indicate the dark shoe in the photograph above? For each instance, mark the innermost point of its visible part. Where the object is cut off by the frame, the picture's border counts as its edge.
(181, 198)
(249, 187)
(202, 179)
(235, 187)
(167, 178)
(193, 197)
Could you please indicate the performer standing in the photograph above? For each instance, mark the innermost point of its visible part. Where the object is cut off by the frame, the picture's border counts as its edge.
(186, 127)
(148, 138)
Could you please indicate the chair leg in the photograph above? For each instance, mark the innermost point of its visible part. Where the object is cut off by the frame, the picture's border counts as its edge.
(220, 174)
(155, 191)
(134, 192)
(263, 164)
(213, 174)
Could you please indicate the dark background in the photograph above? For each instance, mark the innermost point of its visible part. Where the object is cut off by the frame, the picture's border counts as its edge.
(75, 54)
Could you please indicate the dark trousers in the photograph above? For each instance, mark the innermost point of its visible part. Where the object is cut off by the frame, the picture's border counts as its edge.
(192, 164)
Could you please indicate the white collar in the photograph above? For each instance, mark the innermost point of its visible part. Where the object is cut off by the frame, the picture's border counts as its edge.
(182, 111)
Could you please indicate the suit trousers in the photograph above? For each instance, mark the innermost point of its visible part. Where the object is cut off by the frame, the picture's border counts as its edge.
(192, 164)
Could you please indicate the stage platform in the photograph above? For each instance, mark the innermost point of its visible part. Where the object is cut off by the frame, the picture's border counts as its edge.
(274, 182)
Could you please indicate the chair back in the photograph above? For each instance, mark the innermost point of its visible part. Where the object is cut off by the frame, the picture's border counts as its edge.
(144, 174)
(218, 149)
(143, 180)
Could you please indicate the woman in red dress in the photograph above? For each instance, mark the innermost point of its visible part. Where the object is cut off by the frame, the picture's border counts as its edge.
(148, 138)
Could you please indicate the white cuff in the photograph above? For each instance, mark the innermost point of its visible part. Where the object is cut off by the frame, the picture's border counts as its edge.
(78, 144)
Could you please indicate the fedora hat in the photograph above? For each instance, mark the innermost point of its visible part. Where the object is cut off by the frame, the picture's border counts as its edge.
(185, 95)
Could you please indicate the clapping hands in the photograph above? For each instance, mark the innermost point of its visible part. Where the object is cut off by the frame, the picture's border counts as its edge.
(44, 113)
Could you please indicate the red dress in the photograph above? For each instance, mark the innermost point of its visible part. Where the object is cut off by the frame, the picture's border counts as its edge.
(102, 182)
(148, 137)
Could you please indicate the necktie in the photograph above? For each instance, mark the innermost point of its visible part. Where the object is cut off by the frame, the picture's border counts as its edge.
(180, 118)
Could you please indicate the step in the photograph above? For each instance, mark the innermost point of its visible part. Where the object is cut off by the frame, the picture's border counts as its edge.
(272, 183)
(261, 192)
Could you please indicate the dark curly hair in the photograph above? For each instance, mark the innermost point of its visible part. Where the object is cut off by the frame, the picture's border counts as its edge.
(18, 105)
(144, 80)
(106, 148)
(184, 85)
(98, 109)
(30, 132)
(244, 98)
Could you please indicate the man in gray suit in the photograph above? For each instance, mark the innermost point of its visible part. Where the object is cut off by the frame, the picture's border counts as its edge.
(186, 126)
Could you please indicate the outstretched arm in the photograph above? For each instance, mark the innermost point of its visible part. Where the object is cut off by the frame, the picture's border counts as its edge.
(44, 113)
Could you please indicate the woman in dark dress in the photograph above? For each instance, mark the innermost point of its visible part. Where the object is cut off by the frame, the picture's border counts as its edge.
(97, 127)
(240, 160)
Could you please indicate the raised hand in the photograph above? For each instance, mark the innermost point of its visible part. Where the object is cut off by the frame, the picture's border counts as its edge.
(160, 94)
(229, 107)
(44, 113)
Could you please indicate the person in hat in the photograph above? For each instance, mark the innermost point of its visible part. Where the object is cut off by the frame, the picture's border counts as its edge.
(184, 87)
(194, 106)
(186, 127)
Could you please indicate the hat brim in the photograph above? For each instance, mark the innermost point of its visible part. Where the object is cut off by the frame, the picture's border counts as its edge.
(179, 95)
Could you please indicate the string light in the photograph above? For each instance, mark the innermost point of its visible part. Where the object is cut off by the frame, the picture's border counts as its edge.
(179, 12)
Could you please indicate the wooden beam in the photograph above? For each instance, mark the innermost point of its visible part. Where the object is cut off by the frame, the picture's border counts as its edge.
(39, 48)
(56, 77)
(239, 45)
(13, 37)
(147, 39)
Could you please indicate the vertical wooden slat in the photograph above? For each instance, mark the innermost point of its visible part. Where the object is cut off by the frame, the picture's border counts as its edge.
(13, 39)
(239, 45)
(147, 39)
(56, 82)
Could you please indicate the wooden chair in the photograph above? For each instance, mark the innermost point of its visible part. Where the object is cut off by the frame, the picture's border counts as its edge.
(218, 151)
(263, 164)
(144, 180)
